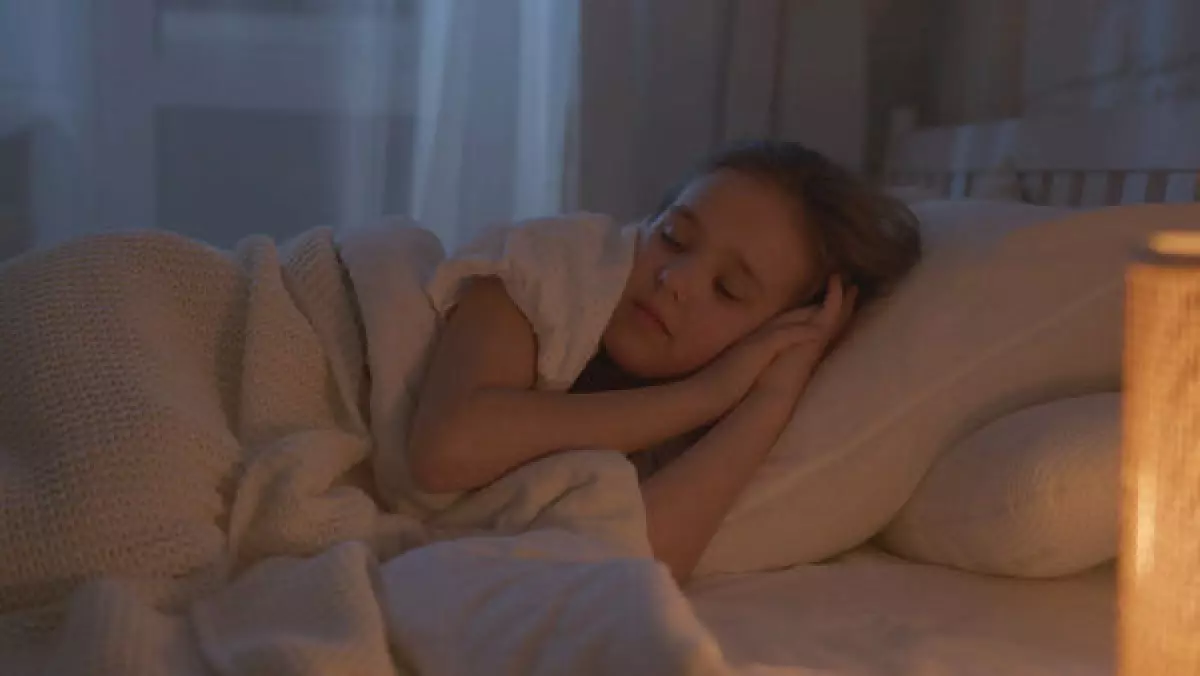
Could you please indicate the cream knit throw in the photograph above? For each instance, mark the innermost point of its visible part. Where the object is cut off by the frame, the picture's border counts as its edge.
(156, 393)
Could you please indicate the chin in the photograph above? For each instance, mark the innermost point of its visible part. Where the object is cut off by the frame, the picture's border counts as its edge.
(627, 357)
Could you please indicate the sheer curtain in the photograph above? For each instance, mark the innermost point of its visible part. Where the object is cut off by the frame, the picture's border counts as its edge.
(222, 118)
(219, 118)
(495, 99)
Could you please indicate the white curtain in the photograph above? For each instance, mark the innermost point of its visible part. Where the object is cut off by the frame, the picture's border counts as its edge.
(496, 91)
(221, 118)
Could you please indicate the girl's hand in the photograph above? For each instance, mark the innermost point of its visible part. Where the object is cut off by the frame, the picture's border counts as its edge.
(788, 374)
(743, 366)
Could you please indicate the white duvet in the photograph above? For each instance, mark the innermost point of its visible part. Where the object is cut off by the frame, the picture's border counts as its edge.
(552, 600)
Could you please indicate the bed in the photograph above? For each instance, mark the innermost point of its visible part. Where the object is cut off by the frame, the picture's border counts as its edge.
(869, 612)
(308, 574)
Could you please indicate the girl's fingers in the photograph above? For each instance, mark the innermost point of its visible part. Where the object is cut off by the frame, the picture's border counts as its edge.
(792, 335)
(831, 309)
(803, 314)
(805, 323)
(849, 305)
(787, 320)
(847, 312)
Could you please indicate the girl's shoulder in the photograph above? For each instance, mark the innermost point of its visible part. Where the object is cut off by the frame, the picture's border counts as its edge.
(564, 273)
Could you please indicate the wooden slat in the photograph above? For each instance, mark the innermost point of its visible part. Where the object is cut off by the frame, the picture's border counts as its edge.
(1034, 187)
(1064, 189)
(958, 185)
(1134, 189)
(1097, 189)
(1156, 189)
(1182, 187)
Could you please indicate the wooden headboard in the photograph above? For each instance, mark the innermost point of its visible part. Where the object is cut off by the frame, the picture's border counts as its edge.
(1126, 155)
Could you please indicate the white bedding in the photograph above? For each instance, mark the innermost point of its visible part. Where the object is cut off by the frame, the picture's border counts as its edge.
(200, 520)
(871, 614)
(183, 443)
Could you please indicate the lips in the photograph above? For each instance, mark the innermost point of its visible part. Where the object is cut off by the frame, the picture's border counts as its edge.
(650, 316)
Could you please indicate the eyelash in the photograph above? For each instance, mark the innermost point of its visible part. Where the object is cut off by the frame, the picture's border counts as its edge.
(720, 287)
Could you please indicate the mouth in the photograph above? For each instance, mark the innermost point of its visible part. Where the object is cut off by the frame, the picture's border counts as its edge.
(648, 315)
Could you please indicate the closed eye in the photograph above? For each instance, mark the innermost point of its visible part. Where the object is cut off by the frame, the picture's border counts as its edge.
(670, 240)
(724, 291)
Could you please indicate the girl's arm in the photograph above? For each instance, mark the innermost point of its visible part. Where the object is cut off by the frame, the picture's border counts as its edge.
(478, 417)
(687, 500)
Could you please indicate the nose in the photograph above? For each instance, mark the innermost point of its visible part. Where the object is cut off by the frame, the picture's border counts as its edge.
(675, 278)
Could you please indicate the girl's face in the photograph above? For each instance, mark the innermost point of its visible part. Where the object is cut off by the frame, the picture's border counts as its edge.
(714, 266)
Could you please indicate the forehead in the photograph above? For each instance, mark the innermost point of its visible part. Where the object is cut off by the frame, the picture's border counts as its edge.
(748, 217)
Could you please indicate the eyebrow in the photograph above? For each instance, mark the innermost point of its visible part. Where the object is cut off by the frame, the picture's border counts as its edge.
(689, 214)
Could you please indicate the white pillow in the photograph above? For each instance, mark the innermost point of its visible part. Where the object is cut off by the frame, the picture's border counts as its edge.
(1033, 494)
(1003, 312)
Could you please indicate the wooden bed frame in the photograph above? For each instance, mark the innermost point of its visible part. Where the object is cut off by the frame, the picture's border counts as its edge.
(1124, 155)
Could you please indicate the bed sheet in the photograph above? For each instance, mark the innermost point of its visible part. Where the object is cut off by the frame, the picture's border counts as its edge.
(869, 614)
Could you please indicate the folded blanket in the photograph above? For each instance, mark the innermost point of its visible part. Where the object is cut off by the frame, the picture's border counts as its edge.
(187, 483)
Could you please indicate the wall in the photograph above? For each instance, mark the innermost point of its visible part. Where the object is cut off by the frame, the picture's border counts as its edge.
(964, 61)
(1099, 53)
(1001, 58)
(663, 82)
(900, 37)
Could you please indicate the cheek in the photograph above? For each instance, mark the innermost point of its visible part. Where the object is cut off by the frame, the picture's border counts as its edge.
(708, 340)
(722, 328)
(690, 350)
(625, 336)
(649, 258)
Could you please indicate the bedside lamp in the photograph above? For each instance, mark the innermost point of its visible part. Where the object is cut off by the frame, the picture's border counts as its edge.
(1159, 566)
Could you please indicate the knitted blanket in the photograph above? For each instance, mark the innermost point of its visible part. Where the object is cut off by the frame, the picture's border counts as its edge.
(186, 487)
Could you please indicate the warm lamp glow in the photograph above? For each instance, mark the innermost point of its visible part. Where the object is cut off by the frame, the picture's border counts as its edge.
(1160, 534)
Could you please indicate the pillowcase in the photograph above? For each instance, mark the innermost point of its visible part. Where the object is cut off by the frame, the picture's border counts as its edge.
(1032, 494)
(1013, 305)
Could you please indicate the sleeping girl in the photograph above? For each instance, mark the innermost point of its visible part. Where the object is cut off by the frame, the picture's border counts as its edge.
(173, 414)
(741, 282)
